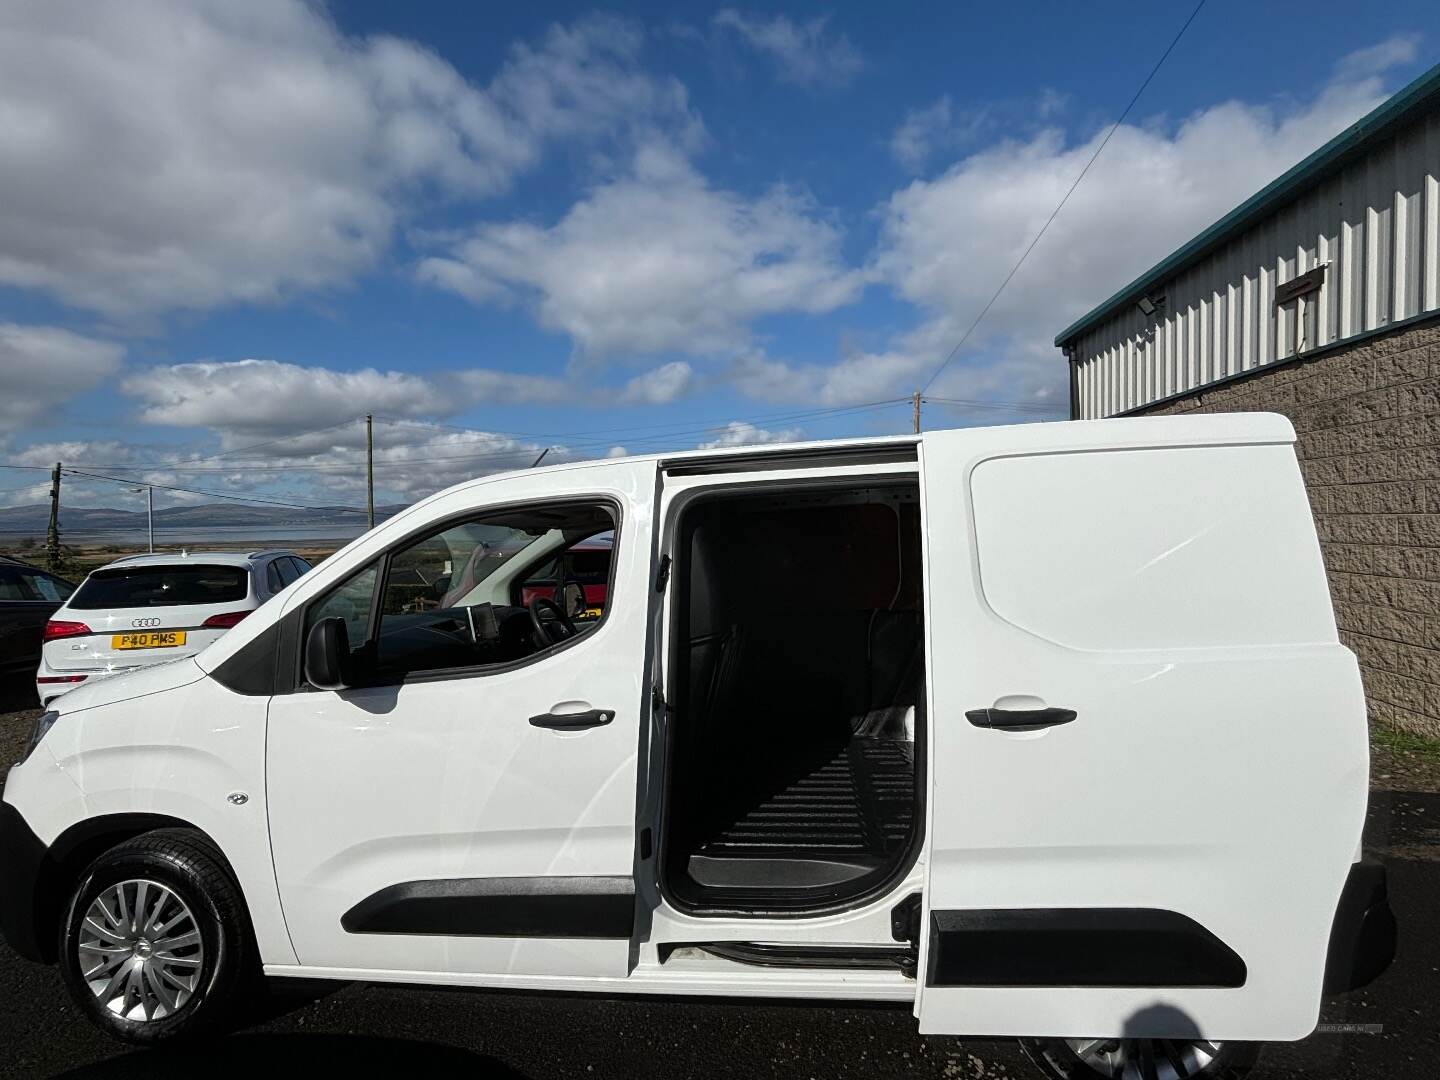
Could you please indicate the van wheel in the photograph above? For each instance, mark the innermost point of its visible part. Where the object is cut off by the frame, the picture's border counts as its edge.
(1141, 1059)
(156, 943)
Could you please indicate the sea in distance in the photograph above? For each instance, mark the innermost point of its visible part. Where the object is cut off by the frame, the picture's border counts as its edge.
(197, 536)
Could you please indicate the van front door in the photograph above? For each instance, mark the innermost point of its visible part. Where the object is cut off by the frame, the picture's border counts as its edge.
(468, 805)
(1148, 748)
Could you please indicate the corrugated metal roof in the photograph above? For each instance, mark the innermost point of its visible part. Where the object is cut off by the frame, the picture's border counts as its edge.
(1422, 94)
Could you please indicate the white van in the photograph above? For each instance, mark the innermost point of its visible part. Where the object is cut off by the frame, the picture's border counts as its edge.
(1041, 731)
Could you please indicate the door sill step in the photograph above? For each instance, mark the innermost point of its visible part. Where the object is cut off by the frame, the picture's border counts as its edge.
(758, 954)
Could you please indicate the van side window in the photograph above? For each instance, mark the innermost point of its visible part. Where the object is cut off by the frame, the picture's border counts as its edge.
(471, 595)
(351, 600)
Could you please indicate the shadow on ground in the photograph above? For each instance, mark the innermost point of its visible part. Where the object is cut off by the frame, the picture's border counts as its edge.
(297, 1054)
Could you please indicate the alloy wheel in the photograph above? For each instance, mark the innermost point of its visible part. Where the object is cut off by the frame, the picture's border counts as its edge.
(1146, 1059)
(139, 950)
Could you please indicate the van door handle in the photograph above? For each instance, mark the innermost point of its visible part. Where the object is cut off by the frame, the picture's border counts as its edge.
(573, 721)
(1020, 719)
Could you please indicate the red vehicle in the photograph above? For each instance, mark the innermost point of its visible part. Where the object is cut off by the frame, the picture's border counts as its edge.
(586, 564)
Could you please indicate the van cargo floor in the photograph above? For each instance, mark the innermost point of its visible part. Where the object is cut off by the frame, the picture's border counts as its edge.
(834, 817)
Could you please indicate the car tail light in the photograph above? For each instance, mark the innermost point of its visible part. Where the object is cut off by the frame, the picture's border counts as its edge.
(225, 621)
(56, 629)
(61, 678)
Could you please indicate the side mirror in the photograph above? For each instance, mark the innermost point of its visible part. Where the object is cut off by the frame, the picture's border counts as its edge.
(327, 655)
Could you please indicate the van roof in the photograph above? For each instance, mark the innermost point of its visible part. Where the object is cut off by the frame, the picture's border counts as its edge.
(720, 453)
(1227, 427)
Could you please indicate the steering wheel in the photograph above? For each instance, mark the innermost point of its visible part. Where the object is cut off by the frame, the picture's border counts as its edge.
(550, 631)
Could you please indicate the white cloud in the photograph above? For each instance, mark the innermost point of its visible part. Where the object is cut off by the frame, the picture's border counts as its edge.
(658, 260)
(860, 377)
(913, 140)
(939, 126)
(265, 396)
(947, 243)
(244, 400)
(42, 367)
(162, 154)
(742, 433)
(1380, 58)
(942, 129)
(492, 387)
(661, 385)
(412, 460)
(804, 53)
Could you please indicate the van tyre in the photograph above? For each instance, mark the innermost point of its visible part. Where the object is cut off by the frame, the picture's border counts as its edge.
(156, 942)
(1141, 1059)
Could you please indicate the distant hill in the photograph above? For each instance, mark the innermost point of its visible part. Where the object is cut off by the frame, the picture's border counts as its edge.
(35, 519)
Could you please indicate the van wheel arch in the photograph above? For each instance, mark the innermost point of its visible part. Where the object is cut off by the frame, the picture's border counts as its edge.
(80, 845)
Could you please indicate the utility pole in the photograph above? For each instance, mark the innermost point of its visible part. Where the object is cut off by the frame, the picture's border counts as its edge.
(915, 401)
(52, 534)
(370, 467)
(149, 511)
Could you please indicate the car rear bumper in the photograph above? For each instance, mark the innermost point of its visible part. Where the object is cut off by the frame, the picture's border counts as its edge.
(22, 865)
(1363, 935)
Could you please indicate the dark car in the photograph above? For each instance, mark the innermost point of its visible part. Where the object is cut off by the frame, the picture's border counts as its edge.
(28, 597)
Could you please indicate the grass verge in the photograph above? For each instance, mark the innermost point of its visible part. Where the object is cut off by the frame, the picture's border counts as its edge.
(1404, 741)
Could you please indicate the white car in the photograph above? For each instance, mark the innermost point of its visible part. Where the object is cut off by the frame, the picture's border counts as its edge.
(1041, 731)
(146, 609)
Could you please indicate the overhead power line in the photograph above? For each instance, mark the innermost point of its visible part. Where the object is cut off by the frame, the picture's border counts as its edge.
(173, 465)
(1001, 406)
(671, 433)
(260, 500)
(686, 427)
(1065, 198)
(282, 438)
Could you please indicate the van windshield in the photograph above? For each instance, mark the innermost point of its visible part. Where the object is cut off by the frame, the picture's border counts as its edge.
(161, 586)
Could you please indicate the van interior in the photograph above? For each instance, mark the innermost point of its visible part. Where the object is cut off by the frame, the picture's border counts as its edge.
(797, 701)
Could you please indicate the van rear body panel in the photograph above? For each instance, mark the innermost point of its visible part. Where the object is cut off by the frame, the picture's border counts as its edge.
(1169, 847)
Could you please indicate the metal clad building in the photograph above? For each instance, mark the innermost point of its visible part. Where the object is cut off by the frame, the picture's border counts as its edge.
(1361, 216)
(1318, 298)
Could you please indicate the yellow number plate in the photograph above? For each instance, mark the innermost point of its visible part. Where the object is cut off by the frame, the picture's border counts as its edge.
(154, 639)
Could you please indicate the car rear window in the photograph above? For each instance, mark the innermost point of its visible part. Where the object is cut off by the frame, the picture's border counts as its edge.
(161, 586)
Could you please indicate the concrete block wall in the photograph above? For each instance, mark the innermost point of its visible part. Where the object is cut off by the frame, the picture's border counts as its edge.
(1368, 421)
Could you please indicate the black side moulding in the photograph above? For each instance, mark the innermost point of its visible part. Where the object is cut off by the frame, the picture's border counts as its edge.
(567, 907)
(1077, 947)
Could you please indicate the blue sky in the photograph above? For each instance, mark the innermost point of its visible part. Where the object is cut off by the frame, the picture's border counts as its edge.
(602, 230)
